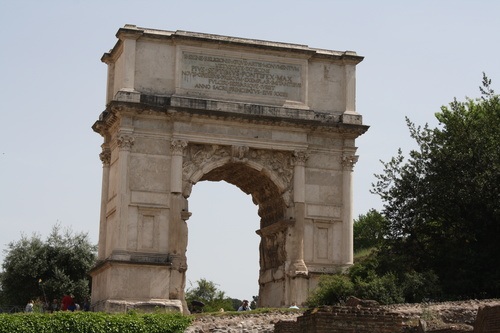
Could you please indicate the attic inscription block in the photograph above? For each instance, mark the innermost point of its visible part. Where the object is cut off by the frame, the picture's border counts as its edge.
(226, 75)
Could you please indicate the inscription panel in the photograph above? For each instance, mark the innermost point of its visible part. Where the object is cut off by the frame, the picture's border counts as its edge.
(240, 76)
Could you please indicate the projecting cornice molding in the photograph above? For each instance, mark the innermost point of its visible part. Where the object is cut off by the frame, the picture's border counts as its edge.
(130, 31)
(181, 107)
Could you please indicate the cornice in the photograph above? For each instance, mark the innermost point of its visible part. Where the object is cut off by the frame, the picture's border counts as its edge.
(134, 32)
(262, 115)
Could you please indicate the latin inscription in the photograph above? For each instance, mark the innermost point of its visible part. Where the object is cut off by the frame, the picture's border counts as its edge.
(228, 75)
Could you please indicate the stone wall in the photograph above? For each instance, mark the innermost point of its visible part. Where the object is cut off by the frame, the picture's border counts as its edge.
(345, 319)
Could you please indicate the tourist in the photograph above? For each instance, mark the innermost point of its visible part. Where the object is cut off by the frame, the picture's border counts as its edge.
(55, 306)
(244, 306)
(66, 302)
(29, 306)
(86, 305)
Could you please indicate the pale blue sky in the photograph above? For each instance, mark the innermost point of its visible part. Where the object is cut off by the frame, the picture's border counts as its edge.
(419, 55)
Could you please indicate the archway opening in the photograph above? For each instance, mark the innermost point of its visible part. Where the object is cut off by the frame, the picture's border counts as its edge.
(222, 244)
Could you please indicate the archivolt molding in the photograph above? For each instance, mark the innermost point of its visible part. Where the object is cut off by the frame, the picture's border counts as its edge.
(199, 159)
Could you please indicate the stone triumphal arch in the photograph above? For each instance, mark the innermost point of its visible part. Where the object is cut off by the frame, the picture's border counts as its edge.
(276, 120)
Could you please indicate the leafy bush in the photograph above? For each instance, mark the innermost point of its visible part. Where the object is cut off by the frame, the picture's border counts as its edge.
(331, 290)
(93, 322)
(383, 289)
(370, 279)
(419, 287)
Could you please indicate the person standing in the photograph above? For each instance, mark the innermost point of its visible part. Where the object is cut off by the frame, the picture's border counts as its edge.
(66, 302)
(244, 306)
(29, 306)
(55, 306)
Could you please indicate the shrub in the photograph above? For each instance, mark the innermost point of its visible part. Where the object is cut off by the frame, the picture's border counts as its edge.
(383, 289)
(331, 290)
(419, 287)
(93, 322)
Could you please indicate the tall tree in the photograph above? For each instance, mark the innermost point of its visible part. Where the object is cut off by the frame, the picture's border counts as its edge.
(34, 268)
(369, 230)
(443, 203)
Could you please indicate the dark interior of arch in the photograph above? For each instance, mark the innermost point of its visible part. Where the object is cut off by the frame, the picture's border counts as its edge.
(263, 191)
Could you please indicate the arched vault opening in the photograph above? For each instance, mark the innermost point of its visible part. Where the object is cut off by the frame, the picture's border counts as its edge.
(264, 192)
(267, 177)
(223, 246)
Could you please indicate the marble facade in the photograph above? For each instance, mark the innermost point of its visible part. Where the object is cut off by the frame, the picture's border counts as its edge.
(276, 120)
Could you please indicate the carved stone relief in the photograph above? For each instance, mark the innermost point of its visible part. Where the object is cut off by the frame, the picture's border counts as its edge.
(272, 250)
(199, 159)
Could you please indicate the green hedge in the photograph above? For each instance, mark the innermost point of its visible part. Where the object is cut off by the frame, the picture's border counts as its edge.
(93, 322)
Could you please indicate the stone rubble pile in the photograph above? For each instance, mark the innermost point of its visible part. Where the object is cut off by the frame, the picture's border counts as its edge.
(247, 323)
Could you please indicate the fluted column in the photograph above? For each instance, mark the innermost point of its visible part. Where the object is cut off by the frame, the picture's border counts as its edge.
(105, 157)
(299, 160)
(348, 162)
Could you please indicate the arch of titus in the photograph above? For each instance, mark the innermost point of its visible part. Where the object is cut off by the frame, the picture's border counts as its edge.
(276, 120)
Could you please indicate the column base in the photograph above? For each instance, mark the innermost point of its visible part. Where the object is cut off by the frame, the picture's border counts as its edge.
(299, 268)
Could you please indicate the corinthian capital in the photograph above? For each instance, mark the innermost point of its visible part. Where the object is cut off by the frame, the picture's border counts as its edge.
(348, 161)
(178, 146)
(300, 157)
(105, 156)
(125, 141)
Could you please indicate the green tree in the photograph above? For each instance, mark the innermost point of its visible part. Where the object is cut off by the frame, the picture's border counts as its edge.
(442, 204)
(207, 293)
(37, 269)
(369, 230)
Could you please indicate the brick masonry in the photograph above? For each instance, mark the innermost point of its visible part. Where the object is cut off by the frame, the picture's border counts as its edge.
(344, 320)
(488, 320)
